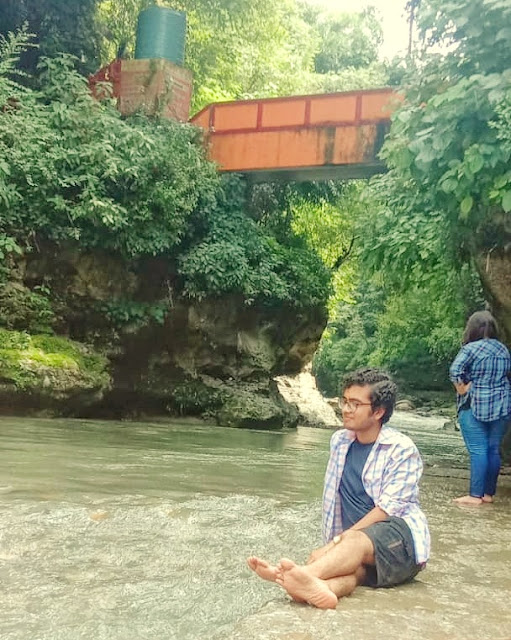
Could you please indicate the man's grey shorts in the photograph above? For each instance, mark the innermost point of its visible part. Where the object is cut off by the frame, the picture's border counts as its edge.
(394, 553)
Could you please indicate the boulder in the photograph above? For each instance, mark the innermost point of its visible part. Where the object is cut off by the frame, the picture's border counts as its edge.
(43, 373)
(405, 405)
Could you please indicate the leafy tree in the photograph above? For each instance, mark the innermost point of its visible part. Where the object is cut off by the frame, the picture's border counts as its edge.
(75, 174)
(236, 256)
(413, 332)
(349, 79)
(329, 226)
(350, 338)
(347, 40)
(92, 177)
(447, 195)
(59, 27)
(417, 336)
(117, 23)
(244, 49)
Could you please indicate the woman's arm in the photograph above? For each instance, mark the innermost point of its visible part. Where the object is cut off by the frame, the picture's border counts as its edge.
(459, 372)
(462, 387)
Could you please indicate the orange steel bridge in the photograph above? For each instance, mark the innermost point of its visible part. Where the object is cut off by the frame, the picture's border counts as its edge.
(315, 137)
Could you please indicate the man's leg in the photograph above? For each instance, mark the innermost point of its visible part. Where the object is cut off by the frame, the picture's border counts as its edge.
(264, 569)
(324, 594)
(345, 585)
(333, 575)
(345, 558)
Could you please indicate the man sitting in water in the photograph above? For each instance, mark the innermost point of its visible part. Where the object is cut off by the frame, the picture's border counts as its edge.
(374, 529)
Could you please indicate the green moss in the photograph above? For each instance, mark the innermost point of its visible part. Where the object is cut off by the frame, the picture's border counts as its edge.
(49, 364)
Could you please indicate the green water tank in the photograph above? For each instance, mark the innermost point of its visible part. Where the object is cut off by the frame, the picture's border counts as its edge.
(161, 33)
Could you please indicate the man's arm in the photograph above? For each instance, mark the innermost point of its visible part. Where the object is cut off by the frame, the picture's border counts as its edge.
(400, 486)
(375, 515)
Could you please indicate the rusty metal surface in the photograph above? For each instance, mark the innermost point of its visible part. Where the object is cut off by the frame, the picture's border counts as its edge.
(334, 135)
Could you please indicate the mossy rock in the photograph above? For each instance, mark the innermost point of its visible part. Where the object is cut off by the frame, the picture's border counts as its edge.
(23, 309)
(194, 397)
(48, 371)
(247, 410)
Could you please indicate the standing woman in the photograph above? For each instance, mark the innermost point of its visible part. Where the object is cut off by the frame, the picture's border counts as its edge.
(480, 374)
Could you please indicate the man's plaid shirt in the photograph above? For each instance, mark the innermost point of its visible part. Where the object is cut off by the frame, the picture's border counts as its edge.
(486, 364)
(390, 476)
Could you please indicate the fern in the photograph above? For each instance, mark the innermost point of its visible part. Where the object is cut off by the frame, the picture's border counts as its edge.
(11, 48)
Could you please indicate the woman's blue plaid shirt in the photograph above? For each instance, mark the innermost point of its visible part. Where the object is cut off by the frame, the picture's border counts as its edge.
(486, 364)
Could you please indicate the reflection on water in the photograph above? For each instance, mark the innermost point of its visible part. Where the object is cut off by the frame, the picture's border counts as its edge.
(134, 531)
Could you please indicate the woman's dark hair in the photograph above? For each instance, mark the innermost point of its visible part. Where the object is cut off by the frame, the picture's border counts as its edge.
(383, 389)
(480, 325)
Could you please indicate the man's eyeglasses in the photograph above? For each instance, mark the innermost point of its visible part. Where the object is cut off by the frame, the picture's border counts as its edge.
(352, 405)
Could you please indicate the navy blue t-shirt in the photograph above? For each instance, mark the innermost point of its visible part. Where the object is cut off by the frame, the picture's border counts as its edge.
(355, 502)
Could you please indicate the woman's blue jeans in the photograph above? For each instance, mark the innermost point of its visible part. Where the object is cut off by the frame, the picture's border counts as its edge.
(482, 440)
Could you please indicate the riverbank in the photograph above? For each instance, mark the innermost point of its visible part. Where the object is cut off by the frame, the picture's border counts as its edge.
(130, 530)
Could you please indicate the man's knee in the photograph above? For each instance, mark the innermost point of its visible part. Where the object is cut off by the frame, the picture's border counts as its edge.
(360, 542)
(357, 538)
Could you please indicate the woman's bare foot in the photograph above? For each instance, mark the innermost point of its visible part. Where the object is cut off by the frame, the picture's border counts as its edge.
(487, 498)
(263, 569)
(471, 501)
(302, 586)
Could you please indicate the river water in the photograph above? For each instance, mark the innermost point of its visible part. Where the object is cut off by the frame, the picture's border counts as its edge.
(134, 531)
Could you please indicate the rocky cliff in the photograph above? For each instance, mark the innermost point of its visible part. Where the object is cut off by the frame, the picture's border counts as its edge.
(165, 354)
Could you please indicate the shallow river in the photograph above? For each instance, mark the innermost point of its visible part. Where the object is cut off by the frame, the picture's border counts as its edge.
(134, 531)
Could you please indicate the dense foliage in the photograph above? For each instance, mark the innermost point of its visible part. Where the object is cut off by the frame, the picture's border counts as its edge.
(74, 173)
(445, 200)
(347, 40)
(59, 27)
(237, 256)
(279, 48)
(449, 178)
(72, 169)
(408, 325)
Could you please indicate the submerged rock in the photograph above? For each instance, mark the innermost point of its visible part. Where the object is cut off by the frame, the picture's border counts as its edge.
(405, 405)
(451, 425)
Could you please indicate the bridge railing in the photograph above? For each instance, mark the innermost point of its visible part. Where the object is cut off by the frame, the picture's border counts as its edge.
(300, 133)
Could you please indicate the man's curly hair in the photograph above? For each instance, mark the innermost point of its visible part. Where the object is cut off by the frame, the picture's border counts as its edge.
(383, 389)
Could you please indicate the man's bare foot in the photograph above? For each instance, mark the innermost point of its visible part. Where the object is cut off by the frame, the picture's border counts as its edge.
(263, 569)
(302, 586)
(471, 501)
(487, 498)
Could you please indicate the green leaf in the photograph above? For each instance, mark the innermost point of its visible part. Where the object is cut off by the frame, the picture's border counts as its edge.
(476, 162)
(506, 202)
(449, 185)
(466, 206)
(501, 181)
